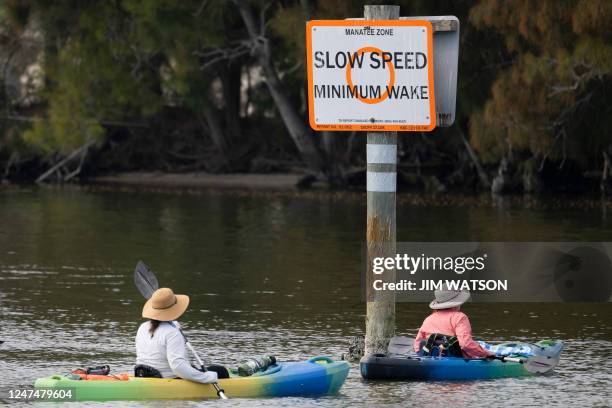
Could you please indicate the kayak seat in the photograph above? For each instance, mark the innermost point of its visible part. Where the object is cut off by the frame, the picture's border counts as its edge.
(221, 371)
(143, 370)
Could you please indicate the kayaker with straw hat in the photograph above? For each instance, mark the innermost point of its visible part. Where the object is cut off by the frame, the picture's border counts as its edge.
(160, 346)
(447, 321)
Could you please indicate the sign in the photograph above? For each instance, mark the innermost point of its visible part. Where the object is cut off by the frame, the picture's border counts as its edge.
(446, 61)
(371, 75)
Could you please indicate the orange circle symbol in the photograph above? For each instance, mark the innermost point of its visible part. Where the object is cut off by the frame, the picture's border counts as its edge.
(349, 79)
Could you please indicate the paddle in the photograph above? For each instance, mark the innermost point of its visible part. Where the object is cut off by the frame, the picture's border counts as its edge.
(533, 364)
(147, 283)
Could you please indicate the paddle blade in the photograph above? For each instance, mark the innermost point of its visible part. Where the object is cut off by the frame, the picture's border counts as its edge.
(401, 346)
(540, 364)
(145, 280)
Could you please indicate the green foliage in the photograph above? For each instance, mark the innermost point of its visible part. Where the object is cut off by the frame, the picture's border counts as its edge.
(94, 75)
(110, 62)
(181, 32)
(533, 76)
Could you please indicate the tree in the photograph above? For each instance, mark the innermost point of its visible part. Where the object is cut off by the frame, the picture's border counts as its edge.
(550, 103)
(296, 125)
(200, 42)
(92, 73)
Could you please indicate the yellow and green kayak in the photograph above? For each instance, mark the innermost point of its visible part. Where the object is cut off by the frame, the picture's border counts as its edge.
(314, 377)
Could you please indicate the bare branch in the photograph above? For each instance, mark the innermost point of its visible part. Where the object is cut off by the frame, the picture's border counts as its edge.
(262, 19)
(217, 54)
(201, 8)
(547, 154)
(579, 80)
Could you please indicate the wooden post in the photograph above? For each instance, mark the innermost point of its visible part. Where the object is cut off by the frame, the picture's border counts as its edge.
(381, 187)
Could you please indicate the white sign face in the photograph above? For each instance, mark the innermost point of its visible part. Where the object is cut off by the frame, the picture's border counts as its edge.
(370, 75)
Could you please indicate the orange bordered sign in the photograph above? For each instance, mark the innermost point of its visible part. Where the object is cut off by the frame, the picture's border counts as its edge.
(370, 75)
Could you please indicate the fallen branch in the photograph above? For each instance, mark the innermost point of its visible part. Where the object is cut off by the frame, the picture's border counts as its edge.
(77, 171)
(80, 153)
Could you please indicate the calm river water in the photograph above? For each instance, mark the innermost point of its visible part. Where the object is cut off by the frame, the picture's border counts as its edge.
(274, 274)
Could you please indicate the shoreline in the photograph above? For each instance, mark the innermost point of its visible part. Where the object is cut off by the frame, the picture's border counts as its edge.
(248, 181)
(285, 185)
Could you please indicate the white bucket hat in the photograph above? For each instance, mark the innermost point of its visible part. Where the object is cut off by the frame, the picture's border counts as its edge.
(445, 298)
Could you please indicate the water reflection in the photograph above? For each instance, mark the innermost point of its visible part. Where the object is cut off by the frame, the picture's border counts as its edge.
(276, 275)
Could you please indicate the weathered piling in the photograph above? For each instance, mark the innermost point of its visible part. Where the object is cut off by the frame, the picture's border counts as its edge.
(381, 188)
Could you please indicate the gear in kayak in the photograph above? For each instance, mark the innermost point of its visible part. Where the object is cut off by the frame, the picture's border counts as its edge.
(439, 345)
(252, 365)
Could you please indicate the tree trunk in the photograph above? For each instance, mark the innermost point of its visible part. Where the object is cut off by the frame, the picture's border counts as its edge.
(482, 174)
(335, 173)
(230, 75)
(606, 176)
(328, 143)
(216, 133)
(299, 132)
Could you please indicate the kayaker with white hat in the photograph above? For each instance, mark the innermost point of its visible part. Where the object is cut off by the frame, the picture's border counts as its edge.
(447, 320)
(160, 345)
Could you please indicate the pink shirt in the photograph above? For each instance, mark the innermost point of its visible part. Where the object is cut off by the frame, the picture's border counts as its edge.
(451, 322)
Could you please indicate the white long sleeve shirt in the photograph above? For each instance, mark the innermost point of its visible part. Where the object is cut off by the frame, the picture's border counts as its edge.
(167, 352)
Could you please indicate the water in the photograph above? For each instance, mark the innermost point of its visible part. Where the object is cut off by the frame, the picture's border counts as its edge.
(267, 274)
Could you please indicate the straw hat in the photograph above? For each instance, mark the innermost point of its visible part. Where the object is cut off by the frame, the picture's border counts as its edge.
(445, 298)
(164, 305)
